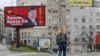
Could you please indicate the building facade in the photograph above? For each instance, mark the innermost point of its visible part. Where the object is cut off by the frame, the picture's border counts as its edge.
(1, 23)
(28, 36)
(56, 17)
(83, 20)
(96, 3)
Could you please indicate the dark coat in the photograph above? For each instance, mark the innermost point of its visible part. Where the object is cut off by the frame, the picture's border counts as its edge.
(61, 39)
(29, 23)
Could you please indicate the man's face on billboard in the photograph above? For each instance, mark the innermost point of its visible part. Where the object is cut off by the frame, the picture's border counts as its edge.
(32, 14)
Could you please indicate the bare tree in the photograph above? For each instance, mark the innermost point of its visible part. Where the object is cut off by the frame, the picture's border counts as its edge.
(90, 39)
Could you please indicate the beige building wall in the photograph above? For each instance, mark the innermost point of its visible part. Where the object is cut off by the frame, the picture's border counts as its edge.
(31, 34)
(56, 17)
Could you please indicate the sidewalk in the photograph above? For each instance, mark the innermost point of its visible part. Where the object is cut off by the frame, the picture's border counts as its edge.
(4, 50)
(40, 54)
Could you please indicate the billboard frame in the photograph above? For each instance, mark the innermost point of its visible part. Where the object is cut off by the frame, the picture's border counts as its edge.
(25, 6)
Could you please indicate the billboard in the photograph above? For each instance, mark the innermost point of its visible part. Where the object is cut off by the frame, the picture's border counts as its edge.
(44, 43)
(80, 3)
(24, 16)
(97, 39)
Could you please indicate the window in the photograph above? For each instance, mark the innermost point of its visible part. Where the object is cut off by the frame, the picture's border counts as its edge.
(91, 32)
(43, 34)
(68, 33)
(49, 27)
(68, 10)
(90, 20)
(75, 20)
(42, 4)
(83, 33)
(90, 26)
(55, 28)
(55, 11)
(98, 32)
(83, 27)
(76, 26)
(22, 4)
(22, 34)
(34, 40)
(62, 5)
(49, 21)
(98, 19)
(25, 42)
(98, 27)
(83, 19)
(49, 11)
(62, 0)
(83, 40)
(98, 14)
(29, 33)
(29, 41)
(76, 39)
(90, 13)
(50, 33)
(2, 15)
(21, 41)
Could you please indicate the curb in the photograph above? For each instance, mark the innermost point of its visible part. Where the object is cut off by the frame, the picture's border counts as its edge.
(25, 54)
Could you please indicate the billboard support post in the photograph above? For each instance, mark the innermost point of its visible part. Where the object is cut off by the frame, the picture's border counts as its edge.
(17, 37)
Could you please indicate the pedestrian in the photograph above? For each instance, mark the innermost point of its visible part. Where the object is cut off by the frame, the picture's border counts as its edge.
(61, 42)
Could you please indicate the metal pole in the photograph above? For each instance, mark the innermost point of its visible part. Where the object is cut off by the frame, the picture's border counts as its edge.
(12, 34)
(17, 37)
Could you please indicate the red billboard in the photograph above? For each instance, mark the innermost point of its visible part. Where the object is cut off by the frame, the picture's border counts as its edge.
(24, 16)
(97, 39)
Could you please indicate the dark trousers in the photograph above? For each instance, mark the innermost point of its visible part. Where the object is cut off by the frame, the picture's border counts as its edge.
(62, 48)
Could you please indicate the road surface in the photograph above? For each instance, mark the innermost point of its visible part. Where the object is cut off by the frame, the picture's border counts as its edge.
(5, 52)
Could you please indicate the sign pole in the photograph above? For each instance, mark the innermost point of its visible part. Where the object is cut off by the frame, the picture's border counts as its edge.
(17, 37)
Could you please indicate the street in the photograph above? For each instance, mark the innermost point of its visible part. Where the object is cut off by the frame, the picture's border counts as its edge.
(85, 54)
(37, 54)
(5, 52)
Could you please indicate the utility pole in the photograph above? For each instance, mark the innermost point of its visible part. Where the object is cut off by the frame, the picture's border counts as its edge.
(12, 34)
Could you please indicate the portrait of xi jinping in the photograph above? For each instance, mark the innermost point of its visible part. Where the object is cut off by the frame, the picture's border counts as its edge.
(31, 20)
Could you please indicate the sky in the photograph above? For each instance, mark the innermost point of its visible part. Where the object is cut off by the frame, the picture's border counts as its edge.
(5, 3)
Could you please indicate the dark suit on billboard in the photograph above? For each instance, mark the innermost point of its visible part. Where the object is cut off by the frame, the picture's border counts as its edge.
(30, 22)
